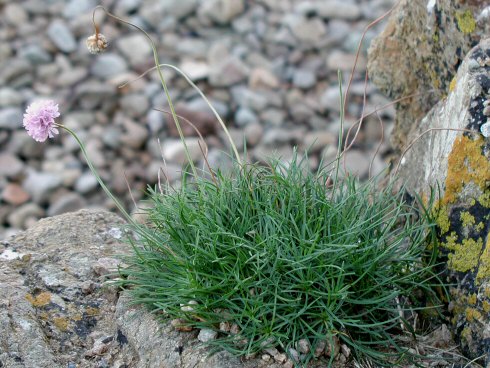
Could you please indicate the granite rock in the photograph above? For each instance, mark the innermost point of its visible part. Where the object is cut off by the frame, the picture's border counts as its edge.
(427, 41)
(458, 163)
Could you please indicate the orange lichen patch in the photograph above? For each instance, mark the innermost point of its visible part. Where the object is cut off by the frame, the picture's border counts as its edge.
(39, 300)
(465, 256)
(484, 265)
(61, 323)
(472, 315)
(466, 164)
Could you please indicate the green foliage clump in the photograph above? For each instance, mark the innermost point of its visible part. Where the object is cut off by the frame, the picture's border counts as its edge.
(284, 255)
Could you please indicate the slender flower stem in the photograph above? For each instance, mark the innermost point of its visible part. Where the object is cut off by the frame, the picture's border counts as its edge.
(136, 227)
(203, 96)
(119, 206)
(162, 80)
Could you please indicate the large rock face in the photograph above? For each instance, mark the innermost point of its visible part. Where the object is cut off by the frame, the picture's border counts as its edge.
(420, 51)
(57, 312)
(458, 163)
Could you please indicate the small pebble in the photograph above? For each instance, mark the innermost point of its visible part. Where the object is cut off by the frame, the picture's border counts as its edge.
(224, 326)
(266, 357)
(293, 354)
(188, 308)
(206, 335)
(345, 350)
(280, 358)
(485, 129)
(303, 346)
(180, 325)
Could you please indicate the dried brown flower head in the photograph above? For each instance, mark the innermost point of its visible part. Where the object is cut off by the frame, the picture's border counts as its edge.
(97, 43)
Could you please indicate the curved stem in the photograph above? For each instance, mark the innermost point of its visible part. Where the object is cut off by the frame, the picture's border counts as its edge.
(135, 226)
(119, 206)
(162, 80)
(203, 96)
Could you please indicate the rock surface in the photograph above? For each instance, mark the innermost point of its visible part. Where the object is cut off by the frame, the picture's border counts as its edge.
(426, 40)
(57, 309)
(458, 163)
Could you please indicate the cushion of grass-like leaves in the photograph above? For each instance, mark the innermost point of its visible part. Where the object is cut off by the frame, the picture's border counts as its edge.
(285, 257)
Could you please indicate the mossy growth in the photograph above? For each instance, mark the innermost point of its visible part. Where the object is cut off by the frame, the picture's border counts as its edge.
(466, 22)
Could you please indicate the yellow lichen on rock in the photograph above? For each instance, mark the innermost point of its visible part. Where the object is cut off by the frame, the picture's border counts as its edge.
(92, 311)
(472, 314)
(452, 85)
(486, 306)
(442, 218)
(39, 300)
(466, 333)
(466, 254)
(61, 323)
(484, 264)
(467, 219)
(466, 22)
(466, 164)
(484, 199)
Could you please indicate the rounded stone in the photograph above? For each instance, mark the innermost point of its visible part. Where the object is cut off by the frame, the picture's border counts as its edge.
(109, 65)
(61, 35)
(10, 97)
(14, 194)
(86, 183)
(244, 116)
(303, 78)
(40, 184)
(206, 335)
(10, 118)
(67, 203)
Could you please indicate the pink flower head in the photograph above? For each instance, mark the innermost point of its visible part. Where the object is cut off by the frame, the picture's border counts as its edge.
(39, 120)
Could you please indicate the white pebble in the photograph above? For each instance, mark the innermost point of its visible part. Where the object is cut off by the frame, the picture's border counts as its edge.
(206, 335)
(485, 129)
